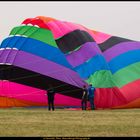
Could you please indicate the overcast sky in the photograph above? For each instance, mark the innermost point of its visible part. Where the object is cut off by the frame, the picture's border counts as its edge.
(116, 18)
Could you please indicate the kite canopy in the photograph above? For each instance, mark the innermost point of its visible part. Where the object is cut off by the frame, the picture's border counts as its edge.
(45, 50)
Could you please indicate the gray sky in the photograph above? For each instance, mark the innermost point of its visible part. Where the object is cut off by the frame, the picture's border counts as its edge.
(115, 18)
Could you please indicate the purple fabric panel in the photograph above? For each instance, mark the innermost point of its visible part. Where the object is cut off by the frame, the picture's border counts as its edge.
(4, 55)
(87, 51)
(7, 56)
(45, 67)
(119, 49)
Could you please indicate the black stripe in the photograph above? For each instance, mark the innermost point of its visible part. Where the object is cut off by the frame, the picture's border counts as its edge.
(111, 42)
(72, 40)
(33, 79)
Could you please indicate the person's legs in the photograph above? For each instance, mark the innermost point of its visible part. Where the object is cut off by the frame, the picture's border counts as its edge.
(52, 103)
(93, 106)
(49, 105)
(91, 103)
(85, 105)
(82, 103)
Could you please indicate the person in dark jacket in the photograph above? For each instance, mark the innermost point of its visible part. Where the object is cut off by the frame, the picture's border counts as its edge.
(84, 98)
(50, 94)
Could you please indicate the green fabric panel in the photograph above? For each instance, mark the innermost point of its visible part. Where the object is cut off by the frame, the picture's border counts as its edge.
(101, 79)
(127, 74)
(14, 30)
(20, 29)
(105, 79)
(40, 34)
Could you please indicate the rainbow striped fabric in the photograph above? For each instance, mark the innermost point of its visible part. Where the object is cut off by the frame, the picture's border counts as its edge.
(73, 55)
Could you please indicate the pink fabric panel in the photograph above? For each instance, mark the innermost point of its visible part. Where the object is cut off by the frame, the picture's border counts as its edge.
(60, 28)
(76, 26)
(66, 100)
(99, 37)
(56, 30)
(18, 91)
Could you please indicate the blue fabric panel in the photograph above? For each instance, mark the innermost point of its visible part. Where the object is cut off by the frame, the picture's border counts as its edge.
(37, 48)
(94, 64)
(124, 60)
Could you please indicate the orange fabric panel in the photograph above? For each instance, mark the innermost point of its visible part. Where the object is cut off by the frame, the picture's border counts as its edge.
(45, 19)
(95, 32)
(133, 104)
(11, 102)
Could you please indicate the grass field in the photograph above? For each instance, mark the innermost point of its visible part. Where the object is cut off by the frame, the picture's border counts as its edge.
(71, 123)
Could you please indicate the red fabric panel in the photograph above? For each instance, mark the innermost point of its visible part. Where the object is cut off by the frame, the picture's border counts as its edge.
(131, 91)
(108, 98)
(35, 21)
(26, 21)
(125, 97)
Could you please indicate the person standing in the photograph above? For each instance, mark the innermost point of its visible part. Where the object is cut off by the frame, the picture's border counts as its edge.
(84, 98)
(91, 91)
(51, 94)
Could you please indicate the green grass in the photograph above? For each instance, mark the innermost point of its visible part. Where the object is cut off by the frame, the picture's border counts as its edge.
(36, 122)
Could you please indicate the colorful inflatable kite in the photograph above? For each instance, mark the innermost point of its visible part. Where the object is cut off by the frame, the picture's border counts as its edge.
(45, 50)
